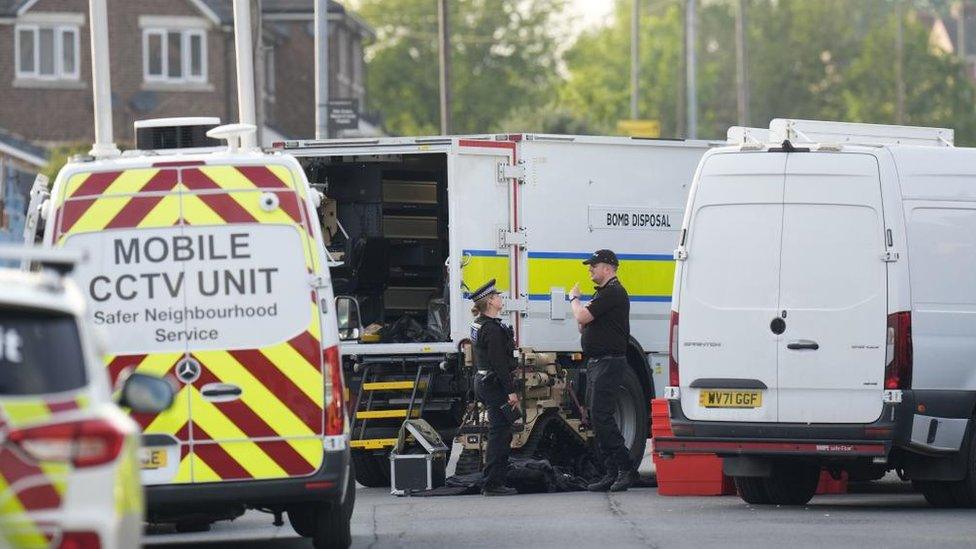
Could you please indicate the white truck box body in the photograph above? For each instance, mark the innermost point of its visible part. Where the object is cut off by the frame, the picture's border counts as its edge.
(528, 209)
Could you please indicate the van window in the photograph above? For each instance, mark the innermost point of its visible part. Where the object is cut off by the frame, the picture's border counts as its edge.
(734, 258)
(40, 352)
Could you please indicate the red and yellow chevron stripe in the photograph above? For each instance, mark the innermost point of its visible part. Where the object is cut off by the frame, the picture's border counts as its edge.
(274, 429)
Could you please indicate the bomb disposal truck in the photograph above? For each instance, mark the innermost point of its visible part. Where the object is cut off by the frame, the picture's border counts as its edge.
(418, 222)
(206, 266)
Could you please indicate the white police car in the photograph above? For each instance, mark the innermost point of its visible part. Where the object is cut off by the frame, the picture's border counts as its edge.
(69, 462)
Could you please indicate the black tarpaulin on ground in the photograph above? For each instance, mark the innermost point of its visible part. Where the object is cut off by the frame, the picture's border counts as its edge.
(528, 476)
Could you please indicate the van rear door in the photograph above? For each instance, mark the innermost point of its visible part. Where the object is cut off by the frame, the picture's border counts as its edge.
(253, 325)
(833, 290)
(729, 290)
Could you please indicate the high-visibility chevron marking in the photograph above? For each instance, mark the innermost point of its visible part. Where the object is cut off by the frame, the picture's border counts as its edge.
(247, 454)
(217, 458)
(309, 409)
(142, 180)
(293, 365)
(16, 526)
(165, 213)
(373, 444)
(307, 345)
(264, 178)
(202, 472)
(26, 411)
(388, 385)
(275, 419)
(385, 414)
(116, 364)
(89, 184)
(31, 486)
(134, 211)
(70, 213)
(97, 215)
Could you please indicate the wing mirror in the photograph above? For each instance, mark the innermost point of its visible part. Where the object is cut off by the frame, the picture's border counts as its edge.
(145, 394)
(347, 313)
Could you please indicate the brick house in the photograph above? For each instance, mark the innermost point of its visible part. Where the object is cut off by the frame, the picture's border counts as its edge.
(173, 58)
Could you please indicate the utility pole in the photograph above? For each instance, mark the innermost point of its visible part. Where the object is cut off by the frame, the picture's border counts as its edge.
(900, 64)
(104, 145)
(690, 68)
(321, 69)
(245, 70)
(742, 64)
(634, 58)
(444, 39)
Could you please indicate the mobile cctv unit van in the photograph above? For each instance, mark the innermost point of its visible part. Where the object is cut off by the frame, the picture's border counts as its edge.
(206, 265)
(823, 310)
(418, 222)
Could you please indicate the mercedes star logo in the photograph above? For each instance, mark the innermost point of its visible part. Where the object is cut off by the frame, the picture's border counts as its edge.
(188, 371)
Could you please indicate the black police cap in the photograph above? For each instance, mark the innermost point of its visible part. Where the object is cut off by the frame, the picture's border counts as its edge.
(484, 291)
(603, 256)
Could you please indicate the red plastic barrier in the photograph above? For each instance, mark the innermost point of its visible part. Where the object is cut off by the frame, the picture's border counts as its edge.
(828, 485)
(686, 474)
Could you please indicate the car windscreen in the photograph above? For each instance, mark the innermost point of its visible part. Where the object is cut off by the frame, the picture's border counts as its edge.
(40, 352)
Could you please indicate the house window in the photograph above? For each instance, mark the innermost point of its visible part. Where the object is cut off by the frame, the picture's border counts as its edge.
(48, 52)
(174, 55)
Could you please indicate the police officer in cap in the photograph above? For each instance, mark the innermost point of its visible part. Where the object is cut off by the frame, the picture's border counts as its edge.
(494, 358)
(605, 327)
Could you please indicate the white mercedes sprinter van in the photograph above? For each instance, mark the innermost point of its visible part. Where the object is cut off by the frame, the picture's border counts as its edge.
(824, 310)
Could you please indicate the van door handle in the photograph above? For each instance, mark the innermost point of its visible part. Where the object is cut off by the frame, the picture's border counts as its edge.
(803, 344)
(221, 392)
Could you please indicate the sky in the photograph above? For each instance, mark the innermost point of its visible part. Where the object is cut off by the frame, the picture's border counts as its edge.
(591, 13)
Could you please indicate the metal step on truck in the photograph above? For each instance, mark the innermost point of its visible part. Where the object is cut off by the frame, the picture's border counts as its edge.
(415, 223)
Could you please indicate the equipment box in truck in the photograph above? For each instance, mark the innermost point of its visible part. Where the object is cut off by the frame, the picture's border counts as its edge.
(823, 311)
(419, 222)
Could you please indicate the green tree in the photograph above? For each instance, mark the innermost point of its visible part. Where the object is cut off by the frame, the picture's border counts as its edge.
(504, 56)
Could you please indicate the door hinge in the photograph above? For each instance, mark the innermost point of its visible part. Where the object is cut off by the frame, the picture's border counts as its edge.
(889, 257)
(508, 171)
(318, 281)
(680, 254)
(508, 238)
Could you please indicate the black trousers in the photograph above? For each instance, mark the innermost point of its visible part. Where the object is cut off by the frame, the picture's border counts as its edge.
(604, 376)
(491, 394)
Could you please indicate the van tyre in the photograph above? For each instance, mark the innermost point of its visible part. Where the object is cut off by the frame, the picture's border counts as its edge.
(752, 490)
(792, 482)
(304, 516)
(372, 471)
(937, 493)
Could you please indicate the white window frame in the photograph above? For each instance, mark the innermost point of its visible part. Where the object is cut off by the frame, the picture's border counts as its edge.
(185, 53)
(59, 72)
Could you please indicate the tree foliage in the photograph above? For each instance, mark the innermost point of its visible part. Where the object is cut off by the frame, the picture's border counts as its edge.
(823, 59)
(504, 55)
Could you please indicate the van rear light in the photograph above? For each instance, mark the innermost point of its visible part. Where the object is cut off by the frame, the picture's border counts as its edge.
(898, 351)
(334, 392)
(673, 378)
(83, 443)
(80, 540)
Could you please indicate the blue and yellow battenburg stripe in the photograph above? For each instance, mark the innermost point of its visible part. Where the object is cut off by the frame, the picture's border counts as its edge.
(647, 277)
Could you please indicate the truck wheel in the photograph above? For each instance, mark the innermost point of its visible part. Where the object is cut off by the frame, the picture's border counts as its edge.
(792, 482)
(372, 471)
(631, 415)
(937, 493)
(332, 527)
(752, 490)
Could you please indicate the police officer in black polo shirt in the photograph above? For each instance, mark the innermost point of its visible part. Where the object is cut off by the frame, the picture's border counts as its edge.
(605, 327)
(494, 346)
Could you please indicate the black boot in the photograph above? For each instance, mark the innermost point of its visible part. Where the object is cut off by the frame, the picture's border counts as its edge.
(499, 490)
(603, 484)
(623, 481)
